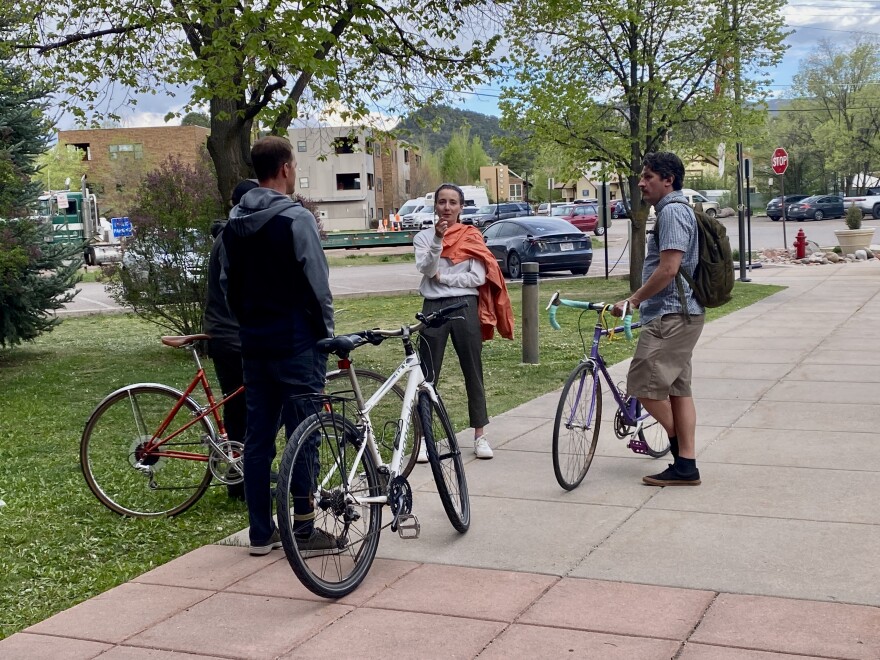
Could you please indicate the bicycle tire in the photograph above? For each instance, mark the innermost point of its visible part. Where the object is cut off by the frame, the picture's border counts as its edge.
(444, 456)
(113, 436)
(388, 411)
(337, 572)
(653, 435)
(573, 450)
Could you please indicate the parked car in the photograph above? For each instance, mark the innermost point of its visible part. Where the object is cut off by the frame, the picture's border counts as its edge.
(490, 213)
(774, 206)
(816, 207)
(466, 214)
(585, 217)
(869, 203)
(693, 197)
(420, 219)
(553, 243)
(544, 208)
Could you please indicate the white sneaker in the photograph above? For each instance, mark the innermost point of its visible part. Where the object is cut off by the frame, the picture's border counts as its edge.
(423, 452)
(482, 448)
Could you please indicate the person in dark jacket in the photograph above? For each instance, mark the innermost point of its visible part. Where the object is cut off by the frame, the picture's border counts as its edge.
(276, 282)
(224, 346)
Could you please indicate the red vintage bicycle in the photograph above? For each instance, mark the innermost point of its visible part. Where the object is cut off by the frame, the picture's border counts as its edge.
(151, 450)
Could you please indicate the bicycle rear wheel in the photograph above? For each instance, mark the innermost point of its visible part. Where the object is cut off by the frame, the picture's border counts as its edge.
(317, 500)
(445, 458)
(131, 482)
(576, 429)
(653, 435)
(385, 416)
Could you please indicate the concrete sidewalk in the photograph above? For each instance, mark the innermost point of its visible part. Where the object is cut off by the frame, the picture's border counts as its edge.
(775, 555)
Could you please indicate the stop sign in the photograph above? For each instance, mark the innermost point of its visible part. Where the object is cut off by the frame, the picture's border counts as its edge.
(779, 161)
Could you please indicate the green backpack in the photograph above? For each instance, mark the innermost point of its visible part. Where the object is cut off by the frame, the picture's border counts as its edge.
(712, 281)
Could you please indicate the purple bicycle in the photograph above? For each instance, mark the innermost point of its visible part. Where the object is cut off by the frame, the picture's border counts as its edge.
(579, 414)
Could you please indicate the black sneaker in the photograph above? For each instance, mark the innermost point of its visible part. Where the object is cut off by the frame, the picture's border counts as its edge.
(265, 548)
(317, 539)
(672, 477)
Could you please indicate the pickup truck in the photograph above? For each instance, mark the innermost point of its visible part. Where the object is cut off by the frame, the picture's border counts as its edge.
(869, 203)
(693, 198)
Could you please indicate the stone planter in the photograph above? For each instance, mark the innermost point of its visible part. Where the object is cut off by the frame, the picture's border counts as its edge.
(854, 239)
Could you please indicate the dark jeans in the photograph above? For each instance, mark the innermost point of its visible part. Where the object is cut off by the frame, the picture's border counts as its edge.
(468, 342)
(272, 384)
(227, 365)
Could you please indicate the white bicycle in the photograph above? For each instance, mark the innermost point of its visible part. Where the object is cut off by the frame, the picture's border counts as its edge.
(333, 480)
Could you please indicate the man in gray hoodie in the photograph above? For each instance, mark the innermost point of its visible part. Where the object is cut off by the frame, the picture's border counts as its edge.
(276, 282)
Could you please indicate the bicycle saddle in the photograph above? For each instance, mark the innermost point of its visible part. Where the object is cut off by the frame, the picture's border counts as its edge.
(341, 345)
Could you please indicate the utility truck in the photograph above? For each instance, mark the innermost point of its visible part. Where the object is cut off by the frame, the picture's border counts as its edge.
(73, 216)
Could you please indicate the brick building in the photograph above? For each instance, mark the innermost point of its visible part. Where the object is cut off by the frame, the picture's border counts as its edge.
(118, 158)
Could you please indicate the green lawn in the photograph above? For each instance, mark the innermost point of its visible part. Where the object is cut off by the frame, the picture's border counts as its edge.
(59, 546)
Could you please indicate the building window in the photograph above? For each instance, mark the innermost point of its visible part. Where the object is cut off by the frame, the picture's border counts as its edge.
(84, 147)
(406, 156)
(301, 146)
(348, 182)
(418, 160)
(381, 212)
(515, 192)
(379, 184)
(406, 186)
(345, 145)
(303, 182)
(369, 181)
(118, 151)
(371, 213)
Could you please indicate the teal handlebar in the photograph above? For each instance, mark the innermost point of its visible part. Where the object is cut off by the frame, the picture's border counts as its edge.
(556, 302)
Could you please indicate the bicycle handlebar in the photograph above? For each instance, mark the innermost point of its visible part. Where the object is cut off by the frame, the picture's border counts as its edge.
(347, 343)
(556, 301)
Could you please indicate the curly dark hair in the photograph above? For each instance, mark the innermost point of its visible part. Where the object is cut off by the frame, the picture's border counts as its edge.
(666, 164)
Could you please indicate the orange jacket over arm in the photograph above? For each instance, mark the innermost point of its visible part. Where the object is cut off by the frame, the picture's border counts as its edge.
(466, 242)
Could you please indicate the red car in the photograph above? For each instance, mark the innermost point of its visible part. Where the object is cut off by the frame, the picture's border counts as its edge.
(583, 216)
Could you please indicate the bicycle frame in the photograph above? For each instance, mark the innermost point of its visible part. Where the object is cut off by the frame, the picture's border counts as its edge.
(628, 409)
(156, 441)
(410, 367)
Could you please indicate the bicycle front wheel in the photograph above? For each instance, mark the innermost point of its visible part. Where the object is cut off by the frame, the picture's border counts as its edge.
(445, 458)
(330, 539)
(653, 435)
(124, 475)
(385, 417)
(576, 429)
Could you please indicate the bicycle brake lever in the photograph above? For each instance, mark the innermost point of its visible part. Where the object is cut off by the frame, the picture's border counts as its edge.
(554, 300)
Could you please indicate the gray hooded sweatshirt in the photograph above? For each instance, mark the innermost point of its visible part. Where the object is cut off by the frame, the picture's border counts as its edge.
(275, 276)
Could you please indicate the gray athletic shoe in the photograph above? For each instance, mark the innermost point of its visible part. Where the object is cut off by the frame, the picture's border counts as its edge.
(274, 542)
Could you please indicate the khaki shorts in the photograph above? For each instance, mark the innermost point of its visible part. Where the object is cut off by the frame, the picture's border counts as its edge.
(661, 366)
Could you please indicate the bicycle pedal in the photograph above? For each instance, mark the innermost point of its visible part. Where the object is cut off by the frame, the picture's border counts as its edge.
(408, 526)
(638, 446)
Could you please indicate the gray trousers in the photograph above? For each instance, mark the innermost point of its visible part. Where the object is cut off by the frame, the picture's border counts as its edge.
(468, 343)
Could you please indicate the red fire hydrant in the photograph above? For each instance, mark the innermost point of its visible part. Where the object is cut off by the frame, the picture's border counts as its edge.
(800, 244)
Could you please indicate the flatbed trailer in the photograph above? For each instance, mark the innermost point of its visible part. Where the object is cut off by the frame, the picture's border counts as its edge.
(363, 239)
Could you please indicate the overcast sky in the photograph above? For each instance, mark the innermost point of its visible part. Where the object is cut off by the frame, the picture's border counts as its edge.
(811, 21)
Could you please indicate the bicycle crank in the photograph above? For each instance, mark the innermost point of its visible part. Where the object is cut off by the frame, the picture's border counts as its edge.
(226, 464)
(399, 499)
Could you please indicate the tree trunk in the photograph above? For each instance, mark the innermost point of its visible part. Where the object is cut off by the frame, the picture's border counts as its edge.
(639, 217)
(229, 145)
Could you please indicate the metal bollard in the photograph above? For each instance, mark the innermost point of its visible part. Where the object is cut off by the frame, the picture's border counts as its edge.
(530, 313)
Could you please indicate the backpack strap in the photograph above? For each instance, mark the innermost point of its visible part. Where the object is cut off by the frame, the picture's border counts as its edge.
(681, 272)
